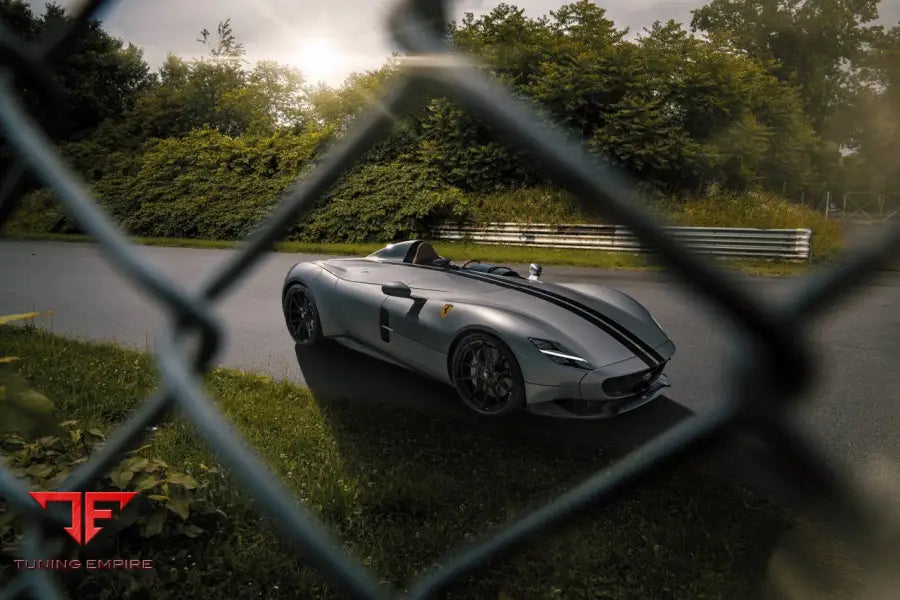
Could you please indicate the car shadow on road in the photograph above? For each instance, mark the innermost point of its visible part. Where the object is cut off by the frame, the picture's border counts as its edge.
(336, 374)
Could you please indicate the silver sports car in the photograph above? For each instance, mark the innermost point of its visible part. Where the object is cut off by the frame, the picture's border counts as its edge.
(505, 342)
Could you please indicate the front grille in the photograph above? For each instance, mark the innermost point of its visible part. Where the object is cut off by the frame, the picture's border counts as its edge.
(633, 384)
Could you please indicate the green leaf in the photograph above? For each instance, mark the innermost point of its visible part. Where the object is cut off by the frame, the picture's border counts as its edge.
(23, 410)
(179, 505)
(46, 441)
(41, 471)
(121, 478)
(192, 531)
(155, 523)
(144, 481)
(136, 463)
(58, 479)
(182, 479)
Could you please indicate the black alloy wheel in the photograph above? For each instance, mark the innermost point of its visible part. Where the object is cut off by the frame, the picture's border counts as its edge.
(301, 315)
(487, 376)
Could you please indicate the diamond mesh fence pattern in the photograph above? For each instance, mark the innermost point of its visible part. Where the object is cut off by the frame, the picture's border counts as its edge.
(771, 370)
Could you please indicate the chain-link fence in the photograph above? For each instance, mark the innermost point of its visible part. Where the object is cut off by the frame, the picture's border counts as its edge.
(866, 206)
(773, 367)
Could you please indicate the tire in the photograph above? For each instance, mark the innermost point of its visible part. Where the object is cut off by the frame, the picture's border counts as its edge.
(487, 376)
(301, 315)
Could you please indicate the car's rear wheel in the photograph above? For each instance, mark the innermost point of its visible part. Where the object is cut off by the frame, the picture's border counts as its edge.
(301, 315)
(487, 376)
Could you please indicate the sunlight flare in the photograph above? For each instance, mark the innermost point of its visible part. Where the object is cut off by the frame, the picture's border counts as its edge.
(318, 59)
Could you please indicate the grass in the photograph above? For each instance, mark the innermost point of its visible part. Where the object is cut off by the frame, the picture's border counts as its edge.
(716, 208)
(401, 489)
(462, 251)
(759, 210)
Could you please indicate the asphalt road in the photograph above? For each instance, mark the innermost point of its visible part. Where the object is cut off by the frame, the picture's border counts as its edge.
(853, 410)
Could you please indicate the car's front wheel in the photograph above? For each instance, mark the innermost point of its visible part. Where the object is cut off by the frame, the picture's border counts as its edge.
(301, 315)
(487, 376)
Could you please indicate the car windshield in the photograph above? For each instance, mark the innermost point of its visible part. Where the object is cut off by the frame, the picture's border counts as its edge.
(419, 252)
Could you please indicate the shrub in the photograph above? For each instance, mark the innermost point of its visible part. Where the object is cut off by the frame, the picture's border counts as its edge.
(206, 185)
(170, 503)
(761, 210)
(532, 205)
(39, 212)
(383, 203)
(46, 452)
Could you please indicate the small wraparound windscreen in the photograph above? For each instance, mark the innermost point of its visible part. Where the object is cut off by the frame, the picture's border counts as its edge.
(400, 252)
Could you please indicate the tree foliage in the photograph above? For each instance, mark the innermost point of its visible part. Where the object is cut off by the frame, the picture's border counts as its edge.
(205, 184)
(763, 97)
(815, 44)
(383, 202)
(217, 92)
(873, 120)
(672, 109)
(100, 76)
(226, 45)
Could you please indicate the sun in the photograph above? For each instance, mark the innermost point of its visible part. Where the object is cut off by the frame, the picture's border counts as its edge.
(319, 59)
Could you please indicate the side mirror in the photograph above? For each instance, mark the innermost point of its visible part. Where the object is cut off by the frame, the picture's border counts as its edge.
(534, 272)
(397, 289)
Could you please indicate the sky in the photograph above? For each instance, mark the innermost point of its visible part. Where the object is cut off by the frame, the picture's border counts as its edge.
(328, 39)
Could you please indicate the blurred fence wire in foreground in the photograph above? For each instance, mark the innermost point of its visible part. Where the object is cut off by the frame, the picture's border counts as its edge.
(772, 369)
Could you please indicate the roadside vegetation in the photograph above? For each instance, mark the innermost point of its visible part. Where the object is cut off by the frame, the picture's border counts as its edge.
(719, 120)
(400, 488)
(461, 251)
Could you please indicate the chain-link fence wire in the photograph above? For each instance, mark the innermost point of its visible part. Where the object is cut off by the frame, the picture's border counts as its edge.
(770, 370)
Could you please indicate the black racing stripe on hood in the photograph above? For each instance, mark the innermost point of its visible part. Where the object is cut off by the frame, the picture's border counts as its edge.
(622, 335)
(634, 344)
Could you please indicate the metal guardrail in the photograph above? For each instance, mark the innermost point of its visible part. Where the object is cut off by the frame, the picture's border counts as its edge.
(731, 242)
(772, 363)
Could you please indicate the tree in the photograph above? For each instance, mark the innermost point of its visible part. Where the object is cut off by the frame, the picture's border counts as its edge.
(584, 68)
(873, 120)
(217, 92)
(713, 116)
(337, 107)
(226, 45)
(279, 95)
(508, 41)
(814, 44)
(100, 75)
(672, 109)
(17, 17)
(334, 110)
(461, 150)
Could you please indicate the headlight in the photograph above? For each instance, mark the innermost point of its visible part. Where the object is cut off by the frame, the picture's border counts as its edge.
(560, 355)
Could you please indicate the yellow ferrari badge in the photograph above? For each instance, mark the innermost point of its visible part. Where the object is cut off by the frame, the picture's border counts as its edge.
(445, 310)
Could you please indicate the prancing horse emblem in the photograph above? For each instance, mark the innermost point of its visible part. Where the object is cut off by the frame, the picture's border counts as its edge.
(445, 310)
